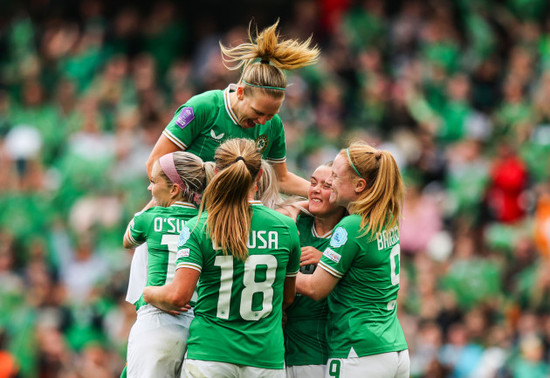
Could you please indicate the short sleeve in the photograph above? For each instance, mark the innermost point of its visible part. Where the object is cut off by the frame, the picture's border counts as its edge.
(137, 231)
(295, 251)
(277, 147)
(340, 253)
(187, 123)
(189, 253)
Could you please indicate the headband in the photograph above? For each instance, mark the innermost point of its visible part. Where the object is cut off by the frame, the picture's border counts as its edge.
(351, 163)
(169, 168)
(263, 86)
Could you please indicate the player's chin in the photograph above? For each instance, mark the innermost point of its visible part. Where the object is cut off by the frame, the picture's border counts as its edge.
(315, 208)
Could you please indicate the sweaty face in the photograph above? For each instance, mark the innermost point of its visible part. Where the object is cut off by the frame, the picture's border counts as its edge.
(319, 193)
(159, 187)
(256, 109)
(342, 183)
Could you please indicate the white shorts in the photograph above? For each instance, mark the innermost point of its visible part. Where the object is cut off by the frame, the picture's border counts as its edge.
(208, 369)
(157, 343)
(306, 371)
(384, 365)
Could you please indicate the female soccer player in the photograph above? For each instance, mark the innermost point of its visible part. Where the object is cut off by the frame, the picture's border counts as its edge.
(247, 257)
(306, 351)
(359, 270)
(157, 341)
(245, 110)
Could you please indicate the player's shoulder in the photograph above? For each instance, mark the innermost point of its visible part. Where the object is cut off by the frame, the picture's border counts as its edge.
(269, 215)
(207, 99)
(198, 222)
(150, 212)
(351, 220)
(349, 225)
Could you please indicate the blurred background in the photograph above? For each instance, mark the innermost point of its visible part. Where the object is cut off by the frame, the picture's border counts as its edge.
(457, 90)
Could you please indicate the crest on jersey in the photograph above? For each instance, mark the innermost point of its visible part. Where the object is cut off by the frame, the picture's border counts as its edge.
(184, 236)
(334, 256)
(261, 143)
(185, 117)
(339, 237)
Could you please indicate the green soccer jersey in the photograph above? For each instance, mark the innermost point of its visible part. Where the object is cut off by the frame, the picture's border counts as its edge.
(205, 121)
(238, 315)
(160, 228)
(305, 340)
(362, 318)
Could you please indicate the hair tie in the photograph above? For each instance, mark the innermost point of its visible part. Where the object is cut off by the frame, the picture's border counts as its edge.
(351, 163)
(239, 158)
(378, 155)
(263, 86)
(264, 61)
(169, 168)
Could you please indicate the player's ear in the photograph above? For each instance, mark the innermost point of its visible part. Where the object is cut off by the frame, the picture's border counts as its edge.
(175, 190)
(360, 185)
(240, 92)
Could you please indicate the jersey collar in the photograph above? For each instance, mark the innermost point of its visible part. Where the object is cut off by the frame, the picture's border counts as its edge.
(227, 102)
(314, 232)
(255, 203)
(183, 204)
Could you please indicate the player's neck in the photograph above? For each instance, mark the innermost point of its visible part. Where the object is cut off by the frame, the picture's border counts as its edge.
(233, 100)
(323, 225)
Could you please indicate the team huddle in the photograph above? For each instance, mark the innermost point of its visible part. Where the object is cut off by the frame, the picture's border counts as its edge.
(238, 282)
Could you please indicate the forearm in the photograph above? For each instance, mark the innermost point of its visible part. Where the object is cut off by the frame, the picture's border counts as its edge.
(163, 298)
(162, 147)
(293, 184)
(316, 286)
(304, 286)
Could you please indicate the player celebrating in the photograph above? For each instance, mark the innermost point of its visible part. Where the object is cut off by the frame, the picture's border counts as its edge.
(246, 110)
(157, 341)
(306, 351)
(360, 268)
(247, 257)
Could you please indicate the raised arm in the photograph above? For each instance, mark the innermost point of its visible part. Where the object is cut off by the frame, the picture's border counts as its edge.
(162, 147)
(289, 183)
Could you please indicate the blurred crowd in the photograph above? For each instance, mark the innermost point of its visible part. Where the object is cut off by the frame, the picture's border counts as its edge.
(457, 90)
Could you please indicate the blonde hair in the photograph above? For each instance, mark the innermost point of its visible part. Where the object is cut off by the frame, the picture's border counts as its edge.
(380, 205)
(226, 197)
(268, 187)
(274, 56)
(194, 173)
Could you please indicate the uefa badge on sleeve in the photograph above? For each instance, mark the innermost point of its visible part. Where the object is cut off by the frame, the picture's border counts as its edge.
(339, 237)
(184, 236)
